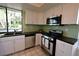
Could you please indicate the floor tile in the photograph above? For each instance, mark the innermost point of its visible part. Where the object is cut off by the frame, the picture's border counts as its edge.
(35, 51)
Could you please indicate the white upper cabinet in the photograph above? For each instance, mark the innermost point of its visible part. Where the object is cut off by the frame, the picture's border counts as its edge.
(40, 19)
(54, 11)
(69, 14)
(33, 17)
(30, 17)
(57, 11)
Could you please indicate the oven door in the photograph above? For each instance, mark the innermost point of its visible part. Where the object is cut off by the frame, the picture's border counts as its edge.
(43, 40)
(47, 43)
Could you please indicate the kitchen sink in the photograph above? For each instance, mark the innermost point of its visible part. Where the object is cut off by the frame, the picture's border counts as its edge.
(9, 34)
(1, 35)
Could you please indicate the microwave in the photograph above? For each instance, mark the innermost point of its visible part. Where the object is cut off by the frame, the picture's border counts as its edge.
(56, 20)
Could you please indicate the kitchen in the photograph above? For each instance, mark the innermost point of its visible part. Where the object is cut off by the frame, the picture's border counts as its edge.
(33, 35)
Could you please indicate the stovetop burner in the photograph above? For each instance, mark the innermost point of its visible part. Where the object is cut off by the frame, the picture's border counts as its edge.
(56, 33)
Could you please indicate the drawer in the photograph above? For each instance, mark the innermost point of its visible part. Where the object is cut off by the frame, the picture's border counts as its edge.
(6, 39)
(21, 37)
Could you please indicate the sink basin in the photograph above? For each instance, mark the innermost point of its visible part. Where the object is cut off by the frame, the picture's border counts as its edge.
(9, 34)
(1, 35)
(13, 34)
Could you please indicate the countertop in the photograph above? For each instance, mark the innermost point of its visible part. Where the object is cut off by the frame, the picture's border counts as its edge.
(68, 40)
(63, 38)
(19, 33)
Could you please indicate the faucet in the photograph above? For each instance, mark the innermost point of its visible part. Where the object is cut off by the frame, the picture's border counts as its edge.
(14, 32)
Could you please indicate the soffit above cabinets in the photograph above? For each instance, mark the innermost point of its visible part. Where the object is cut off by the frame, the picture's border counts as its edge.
(37, 4)
(12, 5)
(31, 6)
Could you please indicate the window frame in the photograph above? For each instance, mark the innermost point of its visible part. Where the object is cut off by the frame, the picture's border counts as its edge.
(6, 8)
(5, 19)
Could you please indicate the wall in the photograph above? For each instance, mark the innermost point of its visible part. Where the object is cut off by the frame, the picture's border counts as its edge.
(68, 30)
(32, 28)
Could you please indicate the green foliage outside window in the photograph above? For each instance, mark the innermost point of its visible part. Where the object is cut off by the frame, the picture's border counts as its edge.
(13, 18)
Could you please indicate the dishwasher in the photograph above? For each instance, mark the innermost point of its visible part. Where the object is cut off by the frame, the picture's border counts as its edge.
(29, 41)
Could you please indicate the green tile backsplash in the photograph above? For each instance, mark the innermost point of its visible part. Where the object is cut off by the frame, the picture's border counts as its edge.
(31, 28)
(69, 30)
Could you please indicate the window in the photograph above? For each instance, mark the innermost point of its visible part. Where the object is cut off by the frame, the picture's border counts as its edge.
(3, 26)
(13, 21)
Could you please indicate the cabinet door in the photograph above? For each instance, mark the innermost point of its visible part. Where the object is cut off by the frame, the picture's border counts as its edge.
(57, 11)
(35, 18)
(59, 47)
(28, 17)
(67, 49)
(31, 17)
(29, 41)
(6, 46)
(40, 18)
(69, 15)
(38, 39)
(63, 48)
(19, 43)
(59, 52)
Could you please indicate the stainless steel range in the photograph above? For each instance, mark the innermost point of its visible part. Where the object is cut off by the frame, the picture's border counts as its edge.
(48, 41)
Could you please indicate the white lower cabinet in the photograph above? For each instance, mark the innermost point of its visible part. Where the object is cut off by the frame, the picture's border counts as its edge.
(38, 39)
(65, 49)
(12, 44)
(19, 43)
(6, 46)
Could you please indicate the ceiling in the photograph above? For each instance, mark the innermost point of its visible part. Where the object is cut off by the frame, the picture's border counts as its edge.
(32, 6)
(37, 4)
